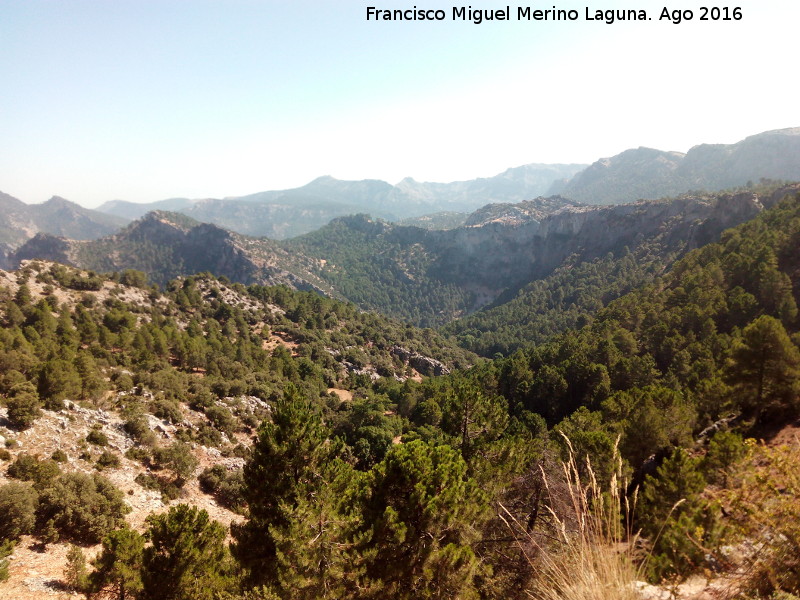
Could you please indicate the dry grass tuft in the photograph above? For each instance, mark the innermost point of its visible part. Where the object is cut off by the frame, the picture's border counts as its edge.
(589, 554)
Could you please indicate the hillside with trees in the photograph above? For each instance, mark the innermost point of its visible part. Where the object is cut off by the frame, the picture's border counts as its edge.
(213, 440)
(424, 276)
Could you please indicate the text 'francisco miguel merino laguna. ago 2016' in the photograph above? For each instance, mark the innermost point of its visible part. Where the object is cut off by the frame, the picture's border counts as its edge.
(529, 13)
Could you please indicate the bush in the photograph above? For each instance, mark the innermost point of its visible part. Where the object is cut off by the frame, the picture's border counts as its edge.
(168, 490)
(97, 437)
(107, 460)
(18, 503)
(167, 409)
(30, 468)
(763, 499)
(226, 486)
(138, 454)
(23, 409)
(83, 508)
(178, 459)
(136, 425)
(59, 456)
(122, 382)
(208, 436)
(222, 419)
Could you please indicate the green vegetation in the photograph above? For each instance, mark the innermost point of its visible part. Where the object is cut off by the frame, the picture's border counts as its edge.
(361, 479)
(567, 299)
(385, 268)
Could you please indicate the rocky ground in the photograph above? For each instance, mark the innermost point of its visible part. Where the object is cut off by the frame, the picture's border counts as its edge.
(37, 571)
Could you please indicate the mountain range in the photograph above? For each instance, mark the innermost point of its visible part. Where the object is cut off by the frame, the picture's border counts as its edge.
(428, 277)
(57, 216)
(651, 174)
(642, 173)
(286, 213)
(653, 339)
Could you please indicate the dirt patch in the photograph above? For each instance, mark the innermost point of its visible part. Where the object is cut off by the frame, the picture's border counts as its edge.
(280, 339)
(344, 395)
(788, 434)
(37, 575)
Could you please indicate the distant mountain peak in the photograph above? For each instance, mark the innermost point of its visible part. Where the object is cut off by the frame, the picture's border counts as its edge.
(323, 179)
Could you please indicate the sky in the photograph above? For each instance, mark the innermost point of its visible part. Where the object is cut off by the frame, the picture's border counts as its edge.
(143, 100)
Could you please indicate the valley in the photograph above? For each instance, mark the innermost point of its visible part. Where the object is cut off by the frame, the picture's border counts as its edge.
(376, 409)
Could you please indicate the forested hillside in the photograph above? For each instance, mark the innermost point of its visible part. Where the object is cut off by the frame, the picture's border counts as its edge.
(434, 277)
(352, 456)
(428, 277)
(573, 293)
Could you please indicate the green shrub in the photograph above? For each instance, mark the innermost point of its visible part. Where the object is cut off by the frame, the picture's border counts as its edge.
(222, 419)
(107, 460)
(136, 426)
(176, 458)
(97, 437)
(764, 501)
(18, 503)
(168, 489)
(30, 468)
(208, 436)
(80, 507)
(226, 486)
(138, 454)
(23, 409)
(167, 409)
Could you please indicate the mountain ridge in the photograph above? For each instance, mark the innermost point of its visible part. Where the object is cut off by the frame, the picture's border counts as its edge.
(647, 173)
(280, 214)
(428, 277)
(57, 216)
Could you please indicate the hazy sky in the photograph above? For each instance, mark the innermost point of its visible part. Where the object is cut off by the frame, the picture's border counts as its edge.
(143, 100)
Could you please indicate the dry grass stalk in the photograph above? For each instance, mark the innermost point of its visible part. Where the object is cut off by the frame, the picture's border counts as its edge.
(590, 555)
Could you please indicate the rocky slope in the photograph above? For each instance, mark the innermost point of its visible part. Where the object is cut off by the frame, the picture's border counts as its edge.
(166, 245)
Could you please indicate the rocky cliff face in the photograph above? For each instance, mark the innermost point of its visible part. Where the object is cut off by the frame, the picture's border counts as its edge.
(506, 254)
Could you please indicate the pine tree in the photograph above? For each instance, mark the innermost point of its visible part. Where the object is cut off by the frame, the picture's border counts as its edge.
(766, 368)
(117, 569)
(187, 558)
(315, 553)
(421, 511)
(288, 464)
(75, 573)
